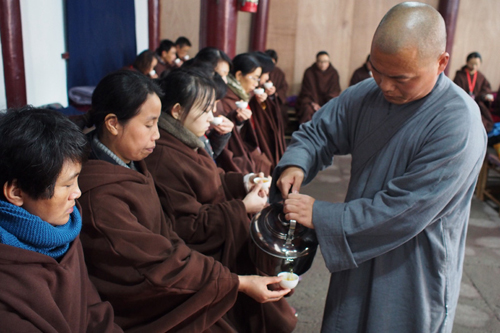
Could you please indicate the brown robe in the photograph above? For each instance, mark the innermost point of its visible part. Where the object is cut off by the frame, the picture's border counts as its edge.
(244, 144)
(41, 294)
(211, 218)
(270, 129)
(139, 264)
(318, 87)
(277, 77)
(163, 68)
(481, 89)
(360, 74)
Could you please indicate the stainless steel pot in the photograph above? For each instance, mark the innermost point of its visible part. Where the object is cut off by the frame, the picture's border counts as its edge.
(279, 245)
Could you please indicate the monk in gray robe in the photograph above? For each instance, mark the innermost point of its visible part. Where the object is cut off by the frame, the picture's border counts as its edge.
(395, 247)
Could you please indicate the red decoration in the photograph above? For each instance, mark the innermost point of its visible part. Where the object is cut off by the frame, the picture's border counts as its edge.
(249, 6)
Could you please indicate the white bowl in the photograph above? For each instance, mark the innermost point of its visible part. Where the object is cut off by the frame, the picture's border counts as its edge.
(216, 121)
(266, 182)
(268, 85)
(289, 281)
(258, 91)
(177, 61)
(241, 105)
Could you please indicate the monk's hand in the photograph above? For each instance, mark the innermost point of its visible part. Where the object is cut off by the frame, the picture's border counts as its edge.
(225, 127)
(261, 97)
(489, 98)
(290, 178)
(315, 106)
(253, 201)
(256, 287)
(299, 207)
(243, 114)
(270, 91)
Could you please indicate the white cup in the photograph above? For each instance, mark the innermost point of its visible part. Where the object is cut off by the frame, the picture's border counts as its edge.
(258, 91)
(216, 121)
(241, 105)
(266, 182)
(177, 61)
(289, 281)
(268, 85)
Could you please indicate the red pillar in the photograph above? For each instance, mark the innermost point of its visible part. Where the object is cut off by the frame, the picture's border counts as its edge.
(259, 27)
(12, 52)
(154, 24)
(218, 23)
(449, 11)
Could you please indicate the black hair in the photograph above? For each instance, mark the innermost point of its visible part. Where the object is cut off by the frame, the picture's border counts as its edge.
(188, 87)
(244, 62)
(165, 45)
(266, 62)
(474, 55)
(143, 61)
(272, 53)
(367, 58)
(220, 87)
(121, 93)
(35, 145)
(320, 53)
(213, 56)
(182, 41)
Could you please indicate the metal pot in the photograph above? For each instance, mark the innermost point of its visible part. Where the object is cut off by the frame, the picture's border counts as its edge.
(279, 245)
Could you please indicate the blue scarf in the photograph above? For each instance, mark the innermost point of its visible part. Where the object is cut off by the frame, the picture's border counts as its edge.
(23, 230)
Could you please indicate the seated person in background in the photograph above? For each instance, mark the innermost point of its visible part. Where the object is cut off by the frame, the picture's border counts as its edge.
(182, 46)
(362, 73)
(145, 63)
(477, 86)
(134, 257)
(319, 85)
(44, 286)
(165, 54)
(210, 207)
(219, 60)
(277, 77)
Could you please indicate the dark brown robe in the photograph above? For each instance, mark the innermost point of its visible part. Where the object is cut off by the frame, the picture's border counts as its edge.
(211, 218)
(360, 74)
(139, 264)
(243, 144)
(162, 68)
(318, 87)
(277, 77)
(496, 104)
(481, 89)
(41, 294)
(270, 129)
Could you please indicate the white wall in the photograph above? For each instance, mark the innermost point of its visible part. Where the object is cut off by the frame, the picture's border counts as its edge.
(141, 25)
(3, 98)
(44, 42)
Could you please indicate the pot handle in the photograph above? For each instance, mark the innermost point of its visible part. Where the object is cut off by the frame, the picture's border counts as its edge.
(291, 231)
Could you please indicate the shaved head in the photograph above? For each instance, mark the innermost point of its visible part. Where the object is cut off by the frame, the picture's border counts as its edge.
(411, 26)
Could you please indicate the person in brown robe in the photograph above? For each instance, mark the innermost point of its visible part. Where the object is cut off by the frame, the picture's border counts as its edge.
(135, 259)
(319, 85)
(277, 77)
(210, 206)
(362, 73)
(477, 86)
(44, 285)
(166, 55)
(244, 145)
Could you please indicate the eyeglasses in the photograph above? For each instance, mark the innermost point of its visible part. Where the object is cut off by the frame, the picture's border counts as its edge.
(256, 79)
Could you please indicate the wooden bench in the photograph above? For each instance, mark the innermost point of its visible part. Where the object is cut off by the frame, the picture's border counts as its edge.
(488, 183)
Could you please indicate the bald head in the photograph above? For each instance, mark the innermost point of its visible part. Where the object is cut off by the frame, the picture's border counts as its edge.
(411, 26)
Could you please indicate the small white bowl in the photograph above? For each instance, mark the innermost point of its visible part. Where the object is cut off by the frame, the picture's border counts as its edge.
(268, 85)
(258, 91)
(186, 57)
(266, 182)
(216, 121)
(241, 105)
(177, 61)
(289, 281)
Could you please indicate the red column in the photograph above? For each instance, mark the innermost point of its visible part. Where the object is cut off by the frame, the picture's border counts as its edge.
(259, 27)
(449, 11)
(154, 24)
(12, 52)
(218, 23)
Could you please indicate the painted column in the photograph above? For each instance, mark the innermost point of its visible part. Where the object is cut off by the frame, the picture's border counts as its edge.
(12, 52)
(218, 23)
(259, 27)
(449, 11)
(154, 24)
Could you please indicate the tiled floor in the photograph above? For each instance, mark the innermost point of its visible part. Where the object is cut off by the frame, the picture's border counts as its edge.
(479, 304)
